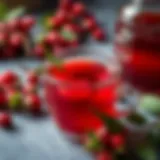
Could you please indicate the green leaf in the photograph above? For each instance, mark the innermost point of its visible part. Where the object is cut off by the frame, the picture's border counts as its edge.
(114, 126)
(15, 101)
(93, 144)
(56, 61)
(151, 104)
(136, 118)
(3, 10)
(15, 13)
(68, 35)
(147, 153)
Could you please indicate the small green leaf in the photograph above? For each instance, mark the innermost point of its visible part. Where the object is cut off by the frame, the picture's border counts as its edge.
(15, 101)
(136, 118)
(68, 35)
(113, 125)
(93, 144)
(56, 61)
(151, 104)
(3, 10)
(15, 13)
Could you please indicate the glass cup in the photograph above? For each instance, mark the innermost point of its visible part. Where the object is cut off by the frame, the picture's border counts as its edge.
(90, 85)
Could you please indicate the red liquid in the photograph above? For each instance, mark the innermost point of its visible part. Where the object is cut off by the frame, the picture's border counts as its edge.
(139, 50)
(77, 93)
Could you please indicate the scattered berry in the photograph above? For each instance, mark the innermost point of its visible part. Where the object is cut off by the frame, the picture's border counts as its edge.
(32, 77)
(33, 103)
(78, 9)
(5, 120)
(89, 24)
(8, 78)
(98, 34)
(104, 155)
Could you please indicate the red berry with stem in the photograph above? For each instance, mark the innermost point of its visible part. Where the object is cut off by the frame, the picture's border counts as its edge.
(99, 34)
(104, 155)
(33, 78)
(33, 103)
(117, 141)
(39, 51)
(16, 40)
(78, 9)
(8, 78)
(89, 24)
(26, 23)
(55, 22)
(5, 120)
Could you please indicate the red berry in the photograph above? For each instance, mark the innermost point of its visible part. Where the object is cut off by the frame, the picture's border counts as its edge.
(117, 141)
(8, 78)
(52, 38)
(104, 155)
(65, 4)
(29, 88)
(3, 38)
(9, 52)
(39, 51)
(89, 24)
(103, 135)
(16, 40)
(98, 34)
(3, 99)
(33, 103)
(73, 28)
(26, 23)
(5, 120)
(32, 78)
(74, 43)
(13, 25)
(3, 26)
(78, 9)
(55, 22)
(62, 16)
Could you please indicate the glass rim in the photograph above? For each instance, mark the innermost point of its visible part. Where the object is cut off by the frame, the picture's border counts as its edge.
(108, 81)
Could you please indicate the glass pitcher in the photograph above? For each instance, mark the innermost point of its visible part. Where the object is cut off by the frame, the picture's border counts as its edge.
(137, 44)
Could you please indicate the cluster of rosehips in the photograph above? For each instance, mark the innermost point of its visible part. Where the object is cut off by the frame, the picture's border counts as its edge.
(14, 37)
(70, 25)
(105, 145)
(18, 96)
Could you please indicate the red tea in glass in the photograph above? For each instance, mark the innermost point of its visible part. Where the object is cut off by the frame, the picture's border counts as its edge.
(75, 89)
(137, 43)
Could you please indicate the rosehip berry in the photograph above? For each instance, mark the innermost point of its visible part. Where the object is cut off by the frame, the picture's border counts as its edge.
(3, 27)
(13, 25)
(103, 135)
(62, 16)
(29, 88)
(32, 78)
(3, 38)
(78, 9)
(3, 99)
(65, 4)
(117, 141)
(98, 34)
(33, 103)
(55, 22)
(16, 40)
(8, 78)
(26, 23)
(89, 24)
(104, 155)
(5, 120)
(52, 38)
(39, 51)
(73, 28)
